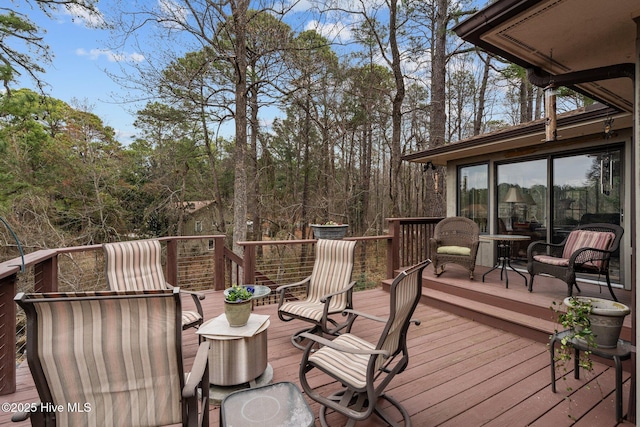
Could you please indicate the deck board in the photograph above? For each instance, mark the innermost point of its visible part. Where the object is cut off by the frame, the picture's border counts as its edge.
(460, 372)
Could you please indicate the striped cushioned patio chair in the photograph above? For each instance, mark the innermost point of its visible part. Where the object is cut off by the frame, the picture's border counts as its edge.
(361, 370)
(112, 359)
(329, 291)
(587, 249)
(136, 266)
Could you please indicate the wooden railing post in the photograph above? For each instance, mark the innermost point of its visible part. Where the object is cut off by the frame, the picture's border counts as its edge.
(249, 271)
(393, 248)
(172, 262)
(8, 334)
(219, 267)
(45, 274)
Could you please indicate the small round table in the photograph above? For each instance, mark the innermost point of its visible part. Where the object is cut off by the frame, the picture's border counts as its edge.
(623, 351)
(236, 358)
(504, 253)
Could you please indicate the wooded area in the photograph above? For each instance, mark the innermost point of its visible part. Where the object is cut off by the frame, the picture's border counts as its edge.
(393, 81)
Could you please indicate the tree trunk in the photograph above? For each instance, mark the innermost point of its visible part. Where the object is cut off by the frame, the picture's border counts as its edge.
(395, 187)
(239, 11)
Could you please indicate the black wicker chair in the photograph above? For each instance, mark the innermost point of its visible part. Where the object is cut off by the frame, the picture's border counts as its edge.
(587, 249)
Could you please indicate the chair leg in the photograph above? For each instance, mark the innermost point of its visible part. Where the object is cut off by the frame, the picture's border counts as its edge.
(610, 288)
(531, 282)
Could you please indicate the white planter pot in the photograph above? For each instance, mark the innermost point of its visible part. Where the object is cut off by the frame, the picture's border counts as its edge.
(606, 318)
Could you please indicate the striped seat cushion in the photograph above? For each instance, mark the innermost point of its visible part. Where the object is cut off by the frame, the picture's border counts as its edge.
(348, 367)
(588, 239)
(552, 260)
(117, 356)
(331, 273)
(306, 309)
(136, 266)
(189, 317)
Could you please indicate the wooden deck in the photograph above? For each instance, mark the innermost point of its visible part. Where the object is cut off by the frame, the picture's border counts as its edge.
(462, 371)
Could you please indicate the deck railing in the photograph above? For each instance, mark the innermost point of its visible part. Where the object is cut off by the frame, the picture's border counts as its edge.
(198, 263)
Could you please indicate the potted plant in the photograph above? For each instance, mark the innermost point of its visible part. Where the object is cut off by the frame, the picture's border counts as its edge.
(237, 305)
(593, 322)
(601, 317)
(329, 230)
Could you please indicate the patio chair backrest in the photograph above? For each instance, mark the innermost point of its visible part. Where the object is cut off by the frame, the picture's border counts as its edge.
(109, 358)
(332, 271)
(405, 293)
(134, 265)
(578, 239)
(456, 231)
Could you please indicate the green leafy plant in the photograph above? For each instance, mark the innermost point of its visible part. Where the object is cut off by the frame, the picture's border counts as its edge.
(577, 321)
(238, 293)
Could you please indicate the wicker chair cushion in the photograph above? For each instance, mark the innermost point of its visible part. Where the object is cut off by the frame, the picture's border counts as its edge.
(588, 239)
(454, 250)
(552, 260)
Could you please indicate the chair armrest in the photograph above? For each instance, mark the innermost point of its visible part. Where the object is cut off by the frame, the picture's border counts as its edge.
(327, 297)
(544, 248)
(328, 343)
(196, 296)
(197, 371)
(21, 416)
(282, 288)
(584, 255)
(200, 295)
(366, 315)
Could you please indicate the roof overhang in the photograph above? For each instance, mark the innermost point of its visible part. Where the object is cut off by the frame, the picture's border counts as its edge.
(561, 37)
(576, 126)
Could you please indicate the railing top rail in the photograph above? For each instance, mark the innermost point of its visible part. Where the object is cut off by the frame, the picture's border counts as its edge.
(301, 241)
(8, 268)
(417, 220)
(208, 236)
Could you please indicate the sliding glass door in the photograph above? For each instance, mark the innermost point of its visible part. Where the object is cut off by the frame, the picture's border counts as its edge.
(547, 198)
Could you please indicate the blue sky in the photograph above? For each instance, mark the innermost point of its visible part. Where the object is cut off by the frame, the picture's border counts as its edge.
(78, 69)
(78, 74)
(81, 60)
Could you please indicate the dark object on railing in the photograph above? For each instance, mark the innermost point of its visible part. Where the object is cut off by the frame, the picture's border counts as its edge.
(6, 224)
(329, 231)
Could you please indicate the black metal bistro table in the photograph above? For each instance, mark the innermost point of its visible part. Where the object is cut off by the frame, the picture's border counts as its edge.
(504, 253)
(623, 351)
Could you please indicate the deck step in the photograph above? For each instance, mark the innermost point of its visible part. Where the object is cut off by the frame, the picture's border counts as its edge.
(513, 310)
(515, 321)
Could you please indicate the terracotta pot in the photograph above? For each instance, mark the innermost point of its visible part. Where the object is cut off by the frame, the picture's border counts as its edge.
(606, 319)
(237, 312)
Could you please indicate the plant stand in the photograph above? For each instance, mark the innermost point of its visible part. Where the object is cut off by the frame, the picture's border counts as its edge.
(621, 352)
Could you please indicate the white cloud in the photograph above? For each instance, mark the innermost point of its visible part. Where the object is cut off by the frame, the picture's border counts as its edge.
(84, 17)
(335, 31)
(173, 12)
(111, 56)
